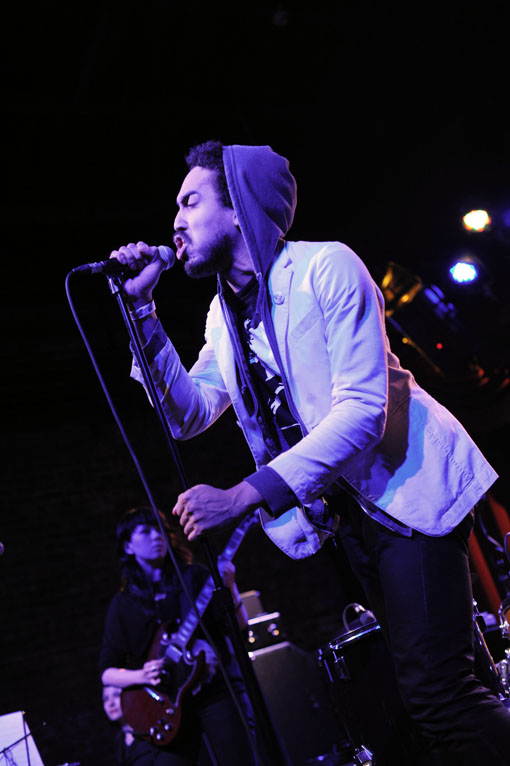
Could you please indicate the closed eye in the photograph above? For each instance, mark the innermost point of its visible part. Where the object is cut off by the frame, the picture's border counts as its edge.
(189, 200)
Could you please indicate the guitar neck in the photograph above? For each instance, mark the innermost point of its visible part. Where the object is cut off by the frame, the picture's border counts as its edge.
(188, 627)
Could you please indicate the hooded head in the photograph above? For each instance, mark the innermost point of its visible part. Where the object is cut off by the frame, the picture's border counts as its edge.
(263, 193)
(257, 183)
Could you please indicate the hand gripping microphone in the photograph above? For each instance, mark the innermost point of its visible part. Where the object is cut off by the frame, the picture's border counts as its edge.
(112, 267)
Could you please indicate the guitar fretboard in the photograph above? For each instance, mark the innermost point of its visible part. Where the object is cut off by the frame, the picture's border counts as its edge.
(188, 627)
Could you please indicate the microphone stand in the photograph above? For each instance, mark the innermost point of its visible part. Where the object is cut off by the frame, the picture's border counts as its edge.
(272, 749)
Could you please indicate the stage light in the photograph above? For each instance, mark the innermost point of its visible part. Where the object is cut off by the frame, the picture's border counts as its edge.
(476, 220)
(464, 271)
(399, 286)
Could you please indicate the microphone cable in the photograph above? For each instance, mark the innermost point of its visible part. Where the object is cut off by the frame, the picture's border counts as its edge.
(148, 491)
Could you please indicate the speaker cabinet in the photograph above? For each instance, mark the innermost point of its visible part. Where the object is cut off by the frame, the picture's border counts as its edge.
(298, 701)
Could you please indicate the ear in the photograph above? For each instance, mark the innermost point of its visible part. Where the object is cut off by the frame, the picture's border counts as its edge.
(128, 548)
(235, 218)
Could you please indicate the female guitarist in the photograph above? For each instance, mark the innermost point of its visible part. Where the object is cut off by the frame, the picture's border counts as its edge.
(149, 607)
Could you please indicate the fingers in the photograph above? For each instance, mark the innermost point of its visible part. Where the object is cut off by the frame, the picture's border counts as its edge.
(186, 518)
(227, 571)
(210, 655)
(152, 671)
(225, 566)
(134, 256)
(180, 504)
(203, 509)
(190, 526)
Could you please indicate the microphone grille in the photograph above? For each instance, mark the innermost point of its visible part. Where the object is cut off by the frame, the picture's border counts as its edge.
(167, 255)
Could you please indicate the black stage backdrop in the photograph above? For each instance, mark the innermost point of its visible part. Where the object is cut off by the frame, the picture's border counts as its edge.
(395, 123)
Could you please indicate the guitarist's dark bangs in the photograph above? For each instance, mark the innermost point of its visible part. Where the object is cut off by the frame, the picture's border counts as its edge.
(144, 514)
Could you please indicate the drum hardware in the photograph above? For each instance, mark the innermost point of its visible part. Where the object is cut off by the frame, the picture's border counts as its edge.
(503, 667)
(493, 675)
(504, 626)
(336, 668)
(363, 616)
(364, 695)
(340, 668)
(504, 617)
(363, 756)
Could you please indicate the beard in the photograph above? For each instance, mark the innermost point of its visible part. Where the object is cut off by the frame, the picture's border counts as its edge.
(216, 258)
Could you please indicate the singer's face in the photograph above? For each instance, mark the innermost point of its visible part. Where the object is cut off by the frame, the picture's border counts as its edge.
(111, 702)
(206, 234)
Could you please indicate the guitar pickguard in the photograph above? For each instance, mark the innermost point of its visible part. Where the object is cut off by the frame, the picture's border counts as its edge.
(155, 712)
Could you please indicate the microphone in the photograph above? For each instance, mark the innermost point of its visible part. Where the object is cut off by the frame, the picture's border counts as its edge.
(112, 267)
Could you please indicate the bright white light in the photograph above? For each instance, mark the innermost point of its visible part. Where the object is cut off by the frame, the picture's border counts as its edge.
(464, 272)
(476, 220)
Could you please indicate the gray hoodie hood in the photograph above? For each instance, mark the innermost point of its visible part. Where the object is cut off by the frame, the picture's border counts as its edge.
(263, 193)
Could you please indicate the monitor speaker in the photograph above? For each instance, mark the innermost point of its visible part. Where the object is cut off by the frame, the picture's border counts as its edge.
(298, 701)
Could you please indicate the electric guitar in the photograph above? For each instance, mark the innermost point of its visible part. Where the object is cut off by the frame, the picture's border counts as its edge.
(156, 715)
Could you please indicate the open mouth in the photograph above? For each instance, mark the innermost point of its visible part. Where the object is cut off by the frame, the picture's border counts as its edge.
(180, 244)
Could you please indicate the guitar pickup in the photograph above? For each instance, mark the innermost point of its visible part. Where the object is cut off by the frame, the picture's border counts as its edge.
(173, 653)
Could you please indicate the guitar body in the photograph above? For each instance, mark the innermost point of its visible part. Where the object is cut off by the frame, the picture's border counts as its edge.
(155, 712)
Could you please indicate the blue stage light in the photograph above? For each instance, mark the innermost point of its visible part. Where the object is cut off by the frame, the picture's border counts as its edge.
(464, 272)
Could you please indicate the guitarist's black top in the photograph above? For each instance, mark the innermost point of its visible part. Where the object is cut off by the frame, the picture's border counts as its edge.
(131, 623)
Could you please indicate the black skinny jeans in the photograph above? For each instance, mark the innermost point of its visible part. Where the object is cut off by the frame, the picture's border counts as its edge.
(419, 588)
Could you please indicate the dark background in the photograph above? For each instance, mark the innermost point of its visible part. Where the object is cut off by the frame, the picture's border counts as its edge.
(395, 122)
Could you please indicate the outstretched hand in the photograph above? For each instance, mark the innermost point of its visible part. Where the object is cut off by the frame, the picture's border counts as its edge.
(203, 508)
